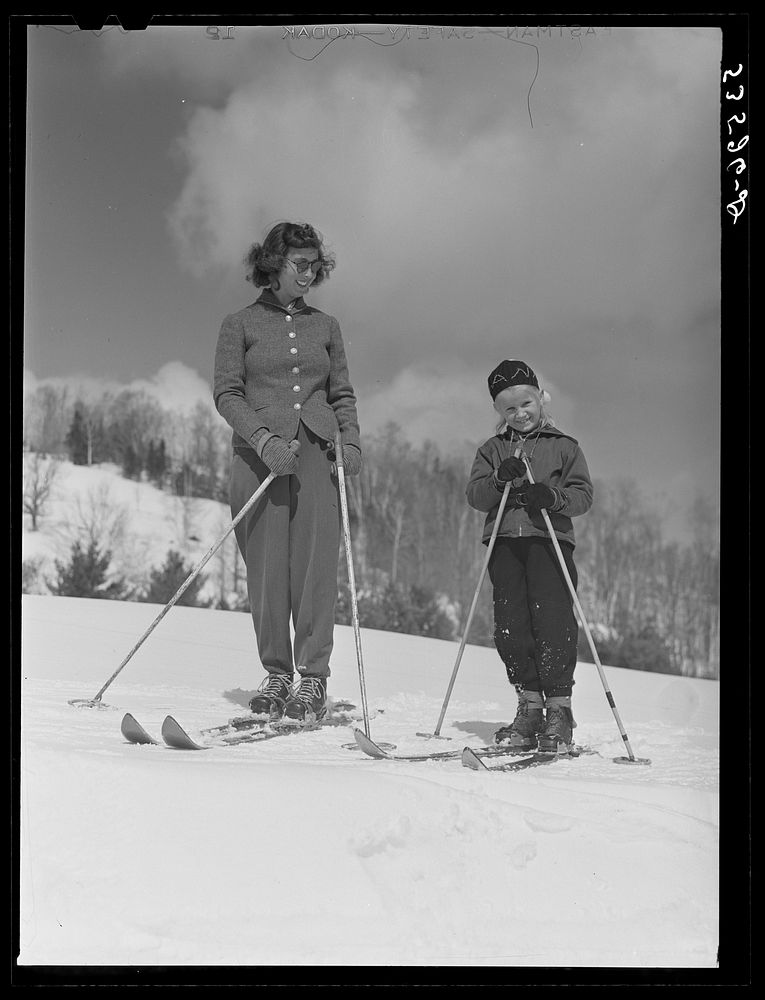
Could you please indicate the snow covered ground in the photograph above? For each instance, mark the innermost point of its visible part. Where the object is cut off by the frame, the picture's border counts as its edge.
(303, 852)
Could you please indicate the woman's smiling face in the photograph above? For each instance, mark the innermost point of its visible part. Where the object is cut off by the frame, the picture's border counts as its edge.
(298, 273)
(520, 406)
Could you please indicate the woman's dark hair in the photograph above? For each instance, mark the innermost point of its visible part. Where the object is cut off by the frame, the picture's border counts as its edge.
(266, 259)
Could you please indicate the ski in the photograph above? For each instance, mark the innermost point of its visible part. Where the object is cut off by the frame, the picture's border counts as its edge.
(239, 730)
(372, 749)
(536, 759)
(175, 735)
(338, 713)
(134, 732)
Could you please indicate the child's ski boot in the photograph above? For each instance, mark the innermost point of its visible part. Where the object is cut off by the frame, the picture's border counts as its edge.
(523, 732)
(557, 734)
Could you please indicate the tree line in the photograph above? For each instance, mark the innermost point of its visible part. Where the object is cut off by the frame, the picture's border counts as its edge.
(651, 604)
(187, 454)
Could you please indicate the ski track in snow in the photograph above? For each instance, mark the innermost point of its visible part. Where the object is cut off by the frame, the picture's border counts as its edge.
(354, 860)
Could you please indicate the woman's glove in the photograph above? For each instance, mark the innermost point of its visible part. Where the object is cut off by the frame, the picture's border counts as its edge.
(352, 460)
(280, 457)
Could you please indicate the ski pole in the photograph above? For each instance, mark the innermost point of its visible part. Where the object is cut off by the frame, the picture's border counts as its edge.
(95, 702)
(351, 576)
(564, 568)
(463, 642)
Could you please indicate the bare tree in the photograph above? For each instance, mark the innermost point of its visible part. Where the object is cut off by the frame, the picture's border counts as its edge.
(228, 578)
(639, 585)
(39, 477)
(93, 420)
(94, 522)
(94, 517)
(390, 491)
(358, 489)
(201, 444)
(183, 517)
(135, 418)
(47, 415)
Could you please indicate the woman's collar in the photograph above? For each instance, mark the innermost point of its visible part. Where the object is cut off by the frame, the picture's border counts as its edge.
(268, 297)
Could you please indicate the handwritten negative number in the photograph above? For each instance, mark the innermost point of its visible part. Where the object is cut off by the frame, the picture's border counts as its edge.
(737, 207)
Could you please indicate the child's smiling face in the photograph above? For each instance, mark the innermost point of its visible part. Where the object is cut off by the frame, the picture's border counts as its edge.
(520, 406)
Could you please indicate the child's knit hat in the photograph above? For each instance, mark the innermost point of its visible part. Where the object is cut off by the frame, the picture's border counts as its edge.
(509, 373)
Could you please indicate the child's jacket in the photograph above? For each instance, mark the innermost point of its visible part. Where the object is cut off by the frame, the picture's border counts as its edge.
(555, 459)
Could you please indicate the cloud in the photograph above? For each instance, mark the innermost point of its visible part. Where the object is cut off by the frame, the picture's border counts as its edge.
(176, 387)
(257, 161)
(597, 217)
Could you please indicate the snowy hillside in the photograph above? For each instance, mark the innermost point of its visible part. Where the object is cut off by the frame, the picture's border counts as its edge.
(135, 521)
(302, 852)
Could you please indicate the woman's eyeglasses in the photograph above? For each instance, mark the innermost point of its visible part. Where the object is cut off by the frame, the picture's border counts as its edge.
(301, 265)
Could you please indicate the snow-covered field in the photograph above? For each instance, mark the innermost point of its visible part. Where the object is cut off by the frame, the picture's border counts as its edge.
(302, 852)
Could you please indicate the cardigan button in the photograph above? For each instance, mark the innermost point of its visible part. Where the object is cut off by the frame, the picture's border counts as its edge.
(292, 334)
(296, 406)
(288, 318)
(293, 350)
(296, 388)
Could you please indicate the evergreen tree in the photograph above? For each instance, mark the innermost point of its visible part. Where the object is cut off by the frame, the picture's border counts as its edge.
(77, 439)
(394, 608)
(131, 464)
(645, 649)
(165, 581)
(98, 445)
(184, 481)
(156, 462)
(430, 618)
(85, 575)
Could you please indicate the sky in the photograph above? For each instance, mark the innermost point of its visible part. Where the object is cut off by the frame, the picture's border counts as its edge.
(550, 194)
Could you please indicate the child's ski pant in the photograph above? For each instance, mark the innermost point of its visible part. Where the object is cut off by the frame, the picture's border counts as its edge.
(535, 629)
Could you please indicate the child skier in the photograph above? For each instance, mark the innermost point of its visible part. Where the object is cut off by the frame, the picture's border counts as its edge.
(535, 629)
